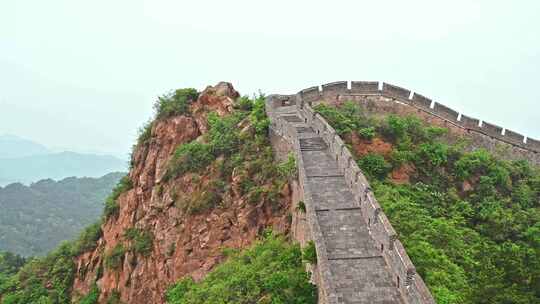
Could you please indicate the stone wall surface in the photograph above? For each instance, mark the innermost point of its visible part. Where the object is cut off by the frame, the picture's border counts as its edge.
(486, 134)
(359, 258)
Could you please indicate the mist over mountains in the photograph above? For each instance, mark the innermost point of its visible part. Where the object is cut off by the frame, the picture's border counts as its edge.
(25, 161)
(12, 146)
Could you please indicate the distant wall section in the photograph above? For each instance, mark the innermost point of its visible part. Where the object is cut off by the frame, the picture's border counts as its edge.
(386, 98)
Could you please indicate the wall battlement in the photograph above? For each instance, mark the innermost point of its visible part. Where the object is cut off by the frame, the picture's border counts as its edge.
(333, 90)
(412, 288)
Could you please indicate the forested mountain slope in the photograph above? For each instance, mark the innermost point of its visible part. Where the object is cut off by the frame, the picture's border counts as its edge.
(190, 222)
(35, 219)
(203, 188)
(469, 221)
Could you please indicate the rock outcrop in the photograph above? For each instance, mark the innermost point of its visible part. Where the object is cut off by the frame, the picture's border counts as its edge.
(183, 244)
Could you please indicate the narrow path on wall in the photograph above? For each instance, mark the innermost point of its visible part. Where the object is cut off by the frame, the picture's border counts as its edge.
(358, 271)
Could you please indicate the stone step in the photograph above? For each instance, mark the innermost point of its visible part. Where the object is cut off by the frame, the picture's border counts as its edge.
(358, 272)
(316, 164)
(292, 118)
(312, 144)
(364, 281)
(346, 235)
(304, 130)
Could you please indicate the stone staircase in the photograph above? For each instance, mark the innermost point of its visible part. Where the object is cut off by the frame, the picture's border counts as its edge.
(358, 272)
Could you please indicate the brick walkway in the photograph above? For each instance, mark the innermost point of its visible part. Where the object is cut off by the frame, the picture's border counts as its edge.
(358, 271)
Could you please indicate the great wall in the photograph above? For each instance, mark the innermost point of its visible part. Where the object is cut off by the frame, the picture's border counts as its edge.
(387, 98)
(359, 257)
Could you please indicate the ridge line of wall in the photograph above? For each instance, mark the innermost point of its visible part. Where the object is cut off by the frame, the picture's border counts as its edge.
(327, 295)
(331, 91)
(413, 288)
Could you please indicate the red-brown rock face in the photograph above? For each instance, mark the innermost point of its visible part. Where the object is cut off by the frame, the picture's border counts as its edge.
(183, 244)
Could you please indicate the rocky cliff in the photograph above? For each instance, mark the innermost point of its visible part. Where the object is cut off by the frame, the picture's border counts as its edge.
(182, 242)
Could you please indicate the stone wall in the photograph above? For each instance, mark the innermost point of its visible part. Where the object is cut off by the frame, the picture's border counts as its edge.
(331, 92)
(388, 98)
(412, 287)
(282, 128)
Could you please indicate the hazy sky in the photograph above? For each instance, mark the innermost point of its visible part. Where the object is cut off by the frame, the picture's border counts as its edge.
(82, 75)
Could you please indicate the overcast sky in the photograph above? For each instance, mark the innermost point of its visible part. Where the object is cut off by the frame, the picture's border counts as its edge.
(82, 75)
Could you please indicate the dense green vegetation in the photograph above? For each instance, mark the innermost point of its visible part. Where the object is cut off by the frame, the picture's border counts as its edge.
(270, 271)
(92, 296)
(111, 203)
(49, 279)
(41, 280)
(114, 298)
(9, 265)
(115, 257)
(36, 218)
(175, 103)
(88, 238)
(237, 142)
(310, 254)
(469, 221)
(226, 147)
(140, 240)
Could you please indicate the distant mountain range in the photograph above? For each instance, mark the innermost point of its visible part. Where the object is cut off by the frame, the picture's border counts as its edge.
(12, 146)
(26, 161)
(35, 219)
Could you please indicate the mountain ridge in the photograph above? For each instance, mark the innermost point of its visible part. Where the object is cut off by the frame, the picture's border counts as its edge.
(57, 166)
(37, 217)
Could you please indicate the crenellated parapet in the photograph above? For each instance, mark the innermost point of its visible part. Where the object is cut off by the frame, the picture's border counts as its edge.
(410, 285)
(281, 108)
(332, 91)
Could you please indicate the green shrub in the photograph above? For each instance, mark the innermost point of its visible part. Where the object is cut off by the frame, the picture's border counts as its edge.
(111, 208)
(115, 257)
(477, 162)
(345, 118)
(374, 165)
(258, 117)
(399, 158)
(288, 169)
(309, 254)
(141, 241)
(92, 296)
(432, 154)
(111, 205)
(205, 199)
(88, 238)
(352, 110)
(301, 207)
(10, 263)
(341, 123)
(255, 196)
(176, 103)
(223, 133)
(145, 133)
(114, 298)
(411, 130)
(400, 127)
(243, 103)
(270, 271)
(56, 271)
(190, 157)
(367, 133)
